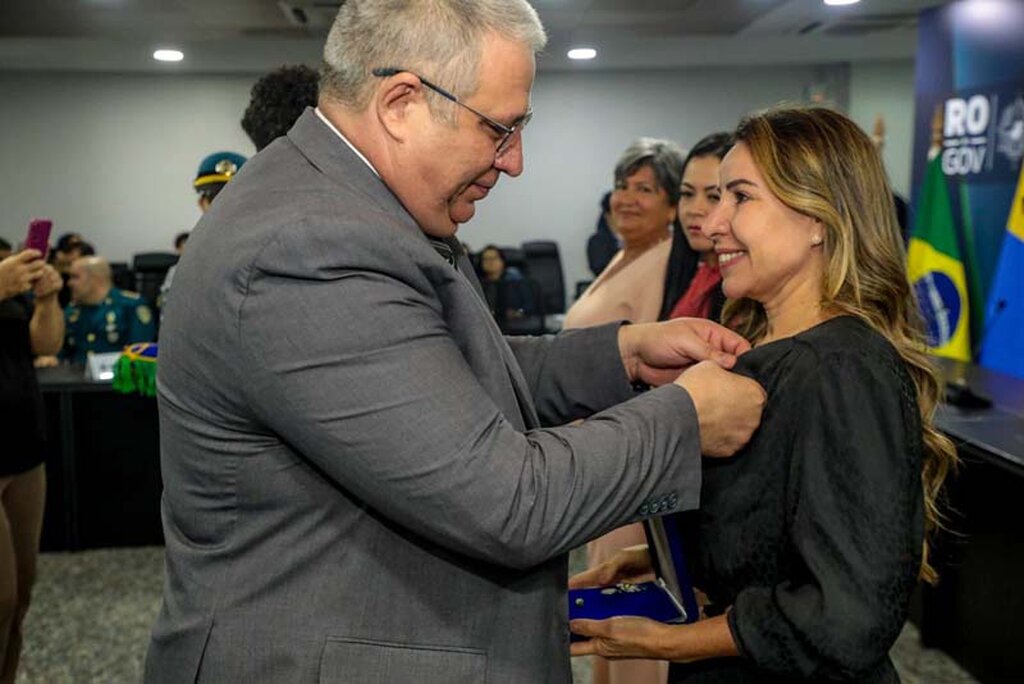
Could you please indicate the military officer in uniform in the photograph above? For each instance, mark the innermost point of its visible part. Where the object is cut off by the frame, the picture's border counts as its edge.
(215, 170)
(102, 318)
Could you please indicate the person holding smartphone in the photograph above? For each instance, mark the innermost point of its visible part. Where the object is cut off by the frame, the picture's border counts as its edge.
(31, 322)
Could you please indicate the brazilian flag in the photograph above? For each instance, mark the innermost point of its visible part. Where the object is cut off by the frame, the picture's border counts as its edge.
(937, 271)
(1003, 347)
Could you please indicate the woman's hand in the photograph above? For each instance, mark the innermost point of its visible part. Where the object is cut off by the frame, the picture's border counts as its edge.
(623, 637)
(625, 565)
(19, 272)
(49, 283)
(634, 637)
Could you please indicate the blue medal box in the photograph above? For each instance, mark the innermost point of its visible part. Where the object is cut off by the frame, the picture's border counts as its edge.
(669, 598)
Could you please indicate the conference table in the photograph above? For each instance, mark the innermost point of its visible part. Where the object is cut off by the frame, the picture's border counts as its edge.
(102, 464)
(974, 614)
(103, 475)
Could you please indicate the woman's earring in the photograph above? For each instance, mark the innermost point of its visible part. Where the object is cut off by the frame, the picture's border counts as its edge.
(816, 240)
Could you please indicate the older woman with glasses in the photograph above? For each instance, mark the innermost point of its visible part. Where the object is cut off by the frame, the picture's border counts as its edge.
(643, 207)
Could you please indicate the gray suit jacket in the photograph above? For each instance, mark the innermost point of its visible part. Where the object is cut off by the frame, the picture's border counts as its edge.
(357, 484)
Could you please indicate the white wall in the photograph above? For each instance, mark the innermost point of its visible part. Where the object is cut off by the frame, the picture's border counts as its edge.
(584, 121)
(887, 89)
(113, 156)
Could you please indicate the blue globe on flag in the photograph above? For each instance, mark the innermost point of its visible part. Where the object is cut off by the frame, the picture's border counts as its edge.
(940, 304)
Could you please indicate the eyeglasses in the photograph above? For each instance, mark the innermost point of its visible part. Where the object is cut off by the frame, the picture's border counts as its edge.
(506, 133)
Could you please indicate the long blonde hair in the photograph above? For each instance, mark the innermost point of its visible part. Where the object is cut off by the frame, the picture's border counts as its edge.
(819, 163)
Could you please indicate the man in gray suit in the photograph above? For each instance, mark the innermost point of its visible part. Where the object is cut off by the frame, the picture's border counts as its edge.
(358, 483)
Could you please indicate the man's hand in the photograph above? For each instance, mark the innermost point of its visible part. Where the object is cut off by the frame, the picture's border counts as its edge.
(625, 565)
(19, 271)
(48, 285)
(728, 407)
(656, 353)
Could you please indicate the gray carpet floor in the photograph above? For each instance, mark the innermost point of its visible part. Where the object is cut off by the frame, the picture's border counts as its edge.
(91, 614)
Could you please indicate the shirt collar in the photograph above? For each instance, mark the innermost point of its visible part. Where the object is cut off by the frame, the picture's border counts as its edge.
(345, 140)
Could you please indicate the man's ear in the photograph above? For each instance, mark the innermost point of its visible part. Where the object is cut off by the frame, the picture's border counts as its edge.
(396, 102)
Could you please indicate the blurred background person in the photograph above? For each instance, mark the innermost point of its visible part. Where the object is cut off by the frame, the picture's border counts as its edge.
(693, 283)
(644, 207)
(30, 323)
(102, 318)
(64, 251)
(70, 246)
(508, 294)
(277, 100)
(215, 170)
(179, 242)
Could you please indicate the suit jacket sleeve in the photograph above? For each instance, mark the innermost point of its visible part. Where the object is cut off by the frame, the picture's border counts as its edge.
(574, 374)
(355, 369)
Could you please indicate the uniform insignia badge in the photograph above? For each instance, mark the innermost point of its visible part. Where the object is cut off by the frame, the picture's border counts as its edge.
(226, 167)
(144, 314)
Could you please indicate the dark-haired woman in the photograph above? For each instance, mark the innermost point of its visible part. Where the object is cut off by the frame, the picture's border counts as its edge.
(693, 283)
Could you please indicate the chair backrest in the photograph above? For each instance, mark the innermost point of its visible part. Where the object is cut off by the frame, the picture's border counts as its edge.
(514, 258)
(544, 265)
(122, 275)
(150, 270)
(154, 261)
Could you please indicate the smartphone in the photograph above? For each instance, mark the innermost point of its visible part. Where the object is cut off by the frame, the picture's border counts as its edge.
(39, 235)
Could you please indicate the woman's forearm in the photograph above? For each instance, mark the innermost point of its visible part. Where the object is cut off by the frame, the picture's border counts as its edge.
(46, 329)
(701, 640)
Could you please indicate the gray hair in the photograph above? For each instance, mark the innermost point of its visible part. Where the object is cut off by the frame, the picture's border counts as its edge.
(665, 159)
(438, 39)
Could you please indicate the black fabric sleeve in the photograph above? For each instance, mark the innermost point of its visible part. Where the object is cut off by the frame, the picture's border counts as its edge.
(855, 524)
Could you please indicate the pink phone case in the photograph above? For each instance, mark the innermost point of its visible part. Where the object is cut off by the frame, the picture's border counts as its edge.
(39, 235)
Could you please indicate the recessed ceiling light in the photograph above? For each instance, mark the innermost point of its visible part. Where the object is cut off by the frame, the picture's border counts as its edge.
(837, 3)
(168, 55)
(582, 53)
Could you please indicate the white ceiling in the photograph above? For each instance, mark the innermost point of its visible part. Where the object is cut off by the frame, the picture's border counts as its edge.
(258, 35)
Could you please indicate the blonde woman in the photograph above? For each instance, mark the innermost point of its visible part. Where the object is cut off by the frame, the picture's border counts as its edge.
(813, 538)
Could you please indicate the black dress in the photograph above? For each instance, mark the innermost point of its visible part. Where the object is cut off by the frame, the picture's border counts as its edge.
(813, 532)
(22, 430)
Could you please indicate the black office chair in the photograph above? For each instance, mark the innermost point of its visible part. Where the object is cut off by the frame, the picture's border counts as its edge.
(150, 270)
(544, 265)
(122, 275)
(514, 258)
